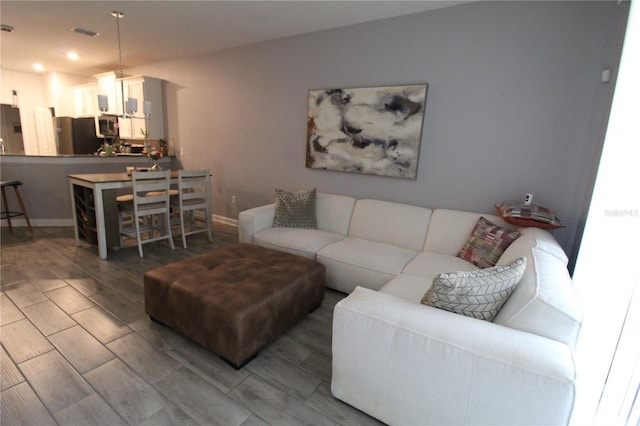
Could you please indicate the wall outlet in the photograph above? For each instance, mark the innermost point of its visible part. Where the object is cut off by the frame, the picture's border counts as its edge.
(234, 200)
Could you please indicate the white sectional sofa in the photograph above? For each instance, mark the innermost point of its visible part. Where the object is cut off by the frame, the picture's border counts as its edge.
(407, 363)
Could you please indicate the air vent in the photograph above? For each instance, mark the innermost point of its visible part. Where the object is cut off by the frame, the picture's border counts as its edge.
(85, 32)
(7, 28)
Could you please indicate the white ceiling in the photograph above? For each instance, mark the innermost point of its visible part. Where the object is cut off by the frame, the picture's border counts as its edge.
(153, 31)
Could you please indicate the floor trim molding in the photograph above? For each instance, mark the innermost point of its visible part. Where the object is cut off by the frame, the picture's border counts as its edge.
(225, 220)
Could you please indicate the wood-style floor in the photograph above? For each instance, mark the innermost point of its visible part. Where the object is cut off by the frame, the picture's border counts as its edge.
(77, 347)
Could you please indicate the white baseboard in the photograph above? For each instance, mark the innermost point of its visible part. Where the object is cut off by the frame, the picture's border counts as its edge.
(41, 223)
(225, 220)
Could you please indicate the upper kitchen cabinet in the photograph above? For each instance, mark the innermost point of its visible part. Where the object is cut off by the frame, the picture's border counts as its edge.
(148, 93)
(107, 87)
(142, 88)
(86, 100)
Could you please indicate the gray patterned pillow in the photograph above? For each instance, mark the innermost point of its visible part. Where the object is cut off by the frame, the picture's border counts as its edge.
(295, 209)
(478, 294)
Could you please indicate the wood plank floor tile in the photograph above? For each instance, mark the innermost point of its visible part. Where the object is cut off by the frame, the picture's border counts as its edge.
(21, 406)
(275, 406)
(132, 397)
(323, 401)
(48, 318)
(49, 283)
(90, 411)
(254, 421)
(82, 350)
(170, 415)
(23, 341)
(312, 333)
(9, 373)
(101, 324)
(288, 349)
(55, 381)
(319, 365)
(69, 299)
(8, 311)
(150, 363)
(11, 273)
(24, 294)
(157, 334)
(87, 286)
(113, 302)
(201, 400)
(127, 287)
(283, 375)
(209, 366)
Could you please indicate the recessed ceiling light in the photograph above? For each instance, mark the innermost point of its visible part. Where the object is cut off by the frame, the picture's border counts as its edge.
(38, 67)
(73, 56)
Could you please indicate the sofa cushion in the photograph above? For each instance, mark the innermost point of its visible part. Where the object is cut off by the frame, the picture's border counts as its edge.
(401, 225)
(333, 212)
(303, 242)
(407, 287)
(544, 302)
(354, 261)
(428, 264)
(295, 209)
(487, 243)
(450, 229)
(478, 294)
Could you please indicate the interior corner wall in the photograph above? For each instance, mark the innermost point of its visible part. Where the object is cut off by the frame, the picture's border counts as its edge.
(515, 105)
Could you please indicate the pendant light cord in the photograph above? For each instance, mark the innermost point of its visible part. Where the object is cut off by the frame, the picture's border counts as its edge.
(119, 15)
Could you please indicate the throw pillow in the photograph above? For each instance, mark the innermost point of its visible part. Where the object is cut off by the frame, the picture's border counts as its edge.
(487, 243)
(295, 209)
(528, 215)
(478, 294)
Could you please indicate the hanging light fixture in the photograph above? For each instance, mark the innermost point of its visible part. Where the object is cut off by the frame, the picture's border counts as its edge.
(126, 109)
(129, 105)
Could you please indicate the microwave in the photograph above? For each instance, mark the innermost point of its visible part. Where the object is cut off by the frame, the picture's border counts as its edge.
(106, 126)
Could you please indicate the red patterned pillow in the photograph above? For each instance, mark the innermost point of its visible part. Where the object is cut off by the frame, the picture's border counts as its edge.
(487, 243)
(528, 215)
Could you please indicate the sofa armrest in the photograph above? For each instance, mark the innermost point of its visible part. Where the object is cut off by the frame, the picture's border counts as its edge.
(255, 220)
(406, 363)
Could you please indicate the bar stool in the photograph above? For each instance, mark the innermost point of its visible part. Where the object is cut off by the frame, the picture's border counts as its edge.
(143, 206)
(6, 214)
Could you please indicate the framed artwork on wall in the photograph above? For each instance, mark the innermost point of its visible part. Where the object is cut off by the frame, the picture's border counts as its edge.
(369, 130)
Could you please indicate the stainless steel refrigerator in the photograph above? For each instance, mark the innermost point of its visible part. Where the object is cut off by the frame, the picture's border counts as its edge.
(76, 135)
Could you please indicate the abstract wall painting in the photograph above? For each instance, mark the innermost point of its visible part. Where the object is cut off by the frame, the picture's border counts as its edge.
(370, 130)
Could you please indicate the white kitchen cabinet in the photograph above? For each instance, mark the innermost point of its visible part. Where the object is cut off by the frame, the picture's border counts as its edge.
(109, 86)
(86, 100)
(144, 89)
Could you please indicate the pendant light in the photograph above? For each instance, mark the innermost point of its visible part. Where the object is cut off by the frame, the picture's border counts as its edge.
(129, 105)
(119, 15)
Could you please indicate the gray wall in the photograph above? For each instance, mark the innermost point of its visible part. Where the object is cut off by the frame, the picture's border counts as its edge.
(515, 105)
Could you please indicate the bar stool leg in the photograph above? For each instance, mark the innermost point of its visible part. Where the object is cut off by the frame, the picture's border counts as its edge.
(6, 206)
(24, 210)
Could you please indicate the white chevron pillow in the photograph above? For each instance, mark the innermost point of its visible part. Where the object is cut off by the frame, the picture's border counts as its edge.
(478, 294)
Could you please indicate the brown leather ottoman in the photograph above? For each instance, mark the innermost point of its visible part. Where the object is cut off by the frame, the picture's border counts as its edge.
(236, 299)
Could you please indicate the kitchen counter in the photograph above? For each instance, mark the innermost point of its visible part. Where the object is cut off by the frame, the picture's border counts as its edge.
(45, 187)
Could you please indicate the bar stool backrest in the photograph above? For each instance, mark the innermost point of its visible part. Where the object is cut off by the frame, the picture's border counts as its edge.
(145, 182)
